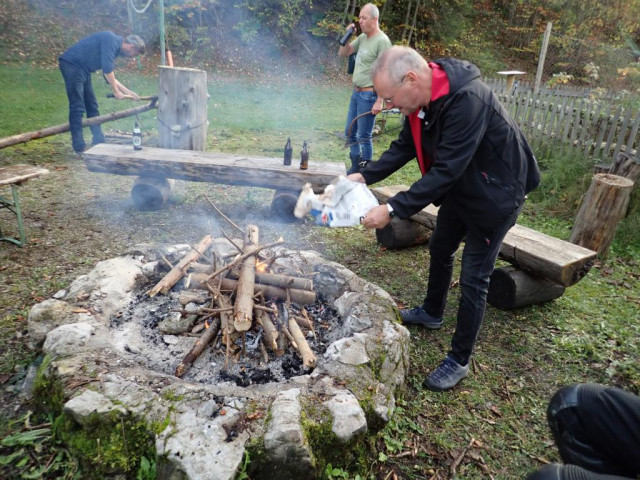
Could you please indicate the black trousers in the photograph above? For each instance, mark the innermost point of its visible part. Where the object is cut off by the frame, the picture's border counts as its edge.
(597, 432)
(478, 261)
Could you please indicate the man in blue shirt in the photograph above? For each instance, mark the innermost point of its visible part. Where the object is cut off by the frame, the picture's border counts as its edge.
(92, 53)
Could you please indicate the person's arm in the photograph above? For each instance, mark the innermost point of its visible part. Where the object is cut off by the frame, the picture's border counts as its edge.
(119, 90)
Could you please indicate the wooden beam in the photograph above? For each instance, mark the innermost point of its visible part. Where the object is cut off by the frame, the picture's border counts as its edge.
(232, 169)
(46, 132)
(542, 255)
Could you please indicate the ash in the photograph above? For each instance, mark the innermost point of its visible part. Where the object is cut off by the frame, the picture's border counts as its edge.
(137, 335)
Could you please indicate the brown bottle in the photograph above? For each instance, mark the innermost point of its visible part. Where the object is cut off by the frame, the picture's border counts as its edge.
(304, 157)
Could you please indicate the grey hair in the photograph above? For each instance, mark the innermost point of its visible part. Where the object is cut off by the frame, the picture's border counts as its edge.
(373, 10)
(396, 62)
(137, 42)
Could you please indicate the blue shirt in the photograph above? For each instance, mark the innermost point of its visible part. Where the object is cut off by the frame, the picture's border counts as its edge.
(95, 52)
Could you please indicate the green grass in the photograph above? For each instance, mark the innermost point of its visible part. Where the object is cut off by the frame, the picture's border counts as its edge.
(494, 422)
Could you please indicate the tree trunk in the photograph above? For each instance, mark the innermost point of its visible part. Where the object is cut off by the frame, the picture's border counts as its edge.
(182, 108)
(413, 23)
(603, 206)
(512, 288)
(406, 22)
(243, 305)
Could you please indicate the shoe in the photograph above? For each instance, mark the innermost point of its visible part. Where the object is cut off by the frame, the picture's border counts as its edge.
(418, 316)
(355, 163)
(446, 376)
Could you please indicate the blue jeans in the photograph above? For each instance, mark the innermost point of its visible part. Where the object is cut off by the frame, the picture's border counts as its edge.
(77, 82)
(478, 260)
(360, 136)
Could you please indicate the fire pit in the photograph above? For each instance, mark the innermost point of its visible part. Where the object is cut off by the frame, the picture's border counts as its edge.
(117, 349)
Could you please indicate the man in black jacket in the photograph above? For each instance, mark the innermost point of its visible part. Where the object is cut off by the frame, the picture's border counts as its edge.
(476, 166)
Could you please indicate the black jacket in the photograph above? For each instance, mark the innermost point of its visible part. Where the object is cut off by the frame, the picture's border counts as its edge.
(480, 160)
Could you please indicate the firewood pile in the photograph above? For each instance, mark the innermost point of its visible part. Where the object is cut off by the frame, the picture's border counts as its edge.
(243, 295)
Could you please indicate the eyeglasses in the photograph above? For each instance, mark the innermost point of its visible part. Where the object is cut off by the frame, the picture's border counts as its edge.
(390, 99)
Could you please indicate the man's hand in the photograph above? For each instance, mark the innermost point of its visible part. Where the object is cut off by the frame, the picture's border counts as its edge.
(377, 217)
(118, 94)
(377, 107)
(356, 177)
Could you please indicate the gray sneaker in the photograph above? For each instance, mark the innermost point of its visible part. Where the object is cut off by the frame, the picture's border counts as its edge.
(446, 376)
(418, 316)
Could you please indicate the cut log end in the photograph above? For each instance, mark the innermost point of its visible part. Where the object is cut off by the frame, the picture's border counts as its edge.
(150, 193)
(512, 288)
(283, 204)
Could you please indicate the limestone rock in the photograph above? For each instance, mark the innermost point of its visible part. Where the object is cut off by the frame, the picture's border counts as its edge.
(67, 340)
(348, 417)
(284, 441)
(50, 314)
(89, 404)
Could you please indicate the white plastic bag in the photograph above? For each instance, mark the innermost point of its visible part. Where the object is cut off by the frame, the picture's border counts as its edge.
(342, 204)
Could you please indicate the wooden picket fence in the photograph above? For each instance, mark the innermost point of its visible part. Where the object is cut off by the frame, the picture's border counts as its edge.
(568, 119)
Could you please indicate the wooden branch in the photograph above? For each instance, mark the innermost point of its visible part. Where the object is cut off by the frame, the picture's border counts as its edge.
(308, 357)
(46, 132)
(177, 272)
(301, 297)
(223, 215)
(270, 332)
(243, 305)
(277, 280)
(241, 258)
(198, 348)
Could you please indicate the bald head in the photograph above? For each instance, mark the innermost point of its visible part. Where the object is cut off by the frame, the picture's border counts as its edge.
(371, 10)
(396, 61)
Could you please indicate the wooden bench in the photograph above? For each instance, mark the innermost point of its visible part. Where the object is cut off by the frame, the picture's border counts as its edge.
(15, 175)
(231, 169)
(542, 265)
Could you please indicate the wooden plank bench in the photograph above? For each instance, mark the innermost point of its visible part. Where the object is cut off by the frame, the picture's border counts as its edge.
(231, 169)
(16, 175)
(551, 261)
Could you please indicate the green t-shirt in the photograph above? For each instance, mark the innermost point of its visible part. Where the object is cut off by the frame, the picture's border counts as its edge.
(367, 50)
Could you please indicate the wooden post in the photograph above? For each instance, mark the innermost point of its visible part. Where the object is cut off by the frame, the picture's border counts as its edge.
(603, 206)
(512, 288)
(182, 108)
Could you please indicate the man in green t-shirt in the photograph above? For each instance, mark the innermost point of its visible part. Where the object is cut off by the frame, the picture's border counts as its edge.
(367, 46)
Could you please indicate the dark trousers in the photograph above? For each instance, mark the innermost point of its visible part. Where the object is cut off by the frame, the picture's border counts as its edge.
(597, 432)
(77, 82)
(478, 260)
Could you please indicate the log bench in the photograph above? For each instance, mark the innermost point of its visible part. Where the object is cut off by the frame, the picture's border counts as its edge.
(541, 266)
(16, 175)
(154, 166)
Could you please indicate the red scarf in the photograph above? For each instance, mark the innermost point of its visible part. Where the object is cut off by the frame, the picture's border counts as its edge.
(439, 88)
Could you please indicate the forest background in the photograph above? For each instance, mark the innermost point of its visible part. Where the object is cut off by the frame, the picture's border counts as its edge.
(594, 42)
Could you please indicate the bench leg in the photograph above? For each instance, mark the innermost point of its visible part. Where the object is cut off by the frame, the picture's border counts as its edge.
(15, 208)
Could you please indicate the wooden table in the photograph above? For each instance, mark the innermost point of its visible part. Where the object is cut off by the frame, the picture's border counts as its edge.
(15, 175)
